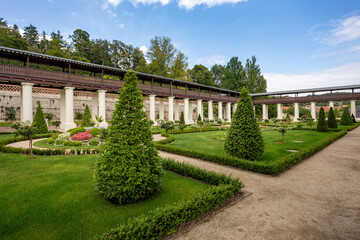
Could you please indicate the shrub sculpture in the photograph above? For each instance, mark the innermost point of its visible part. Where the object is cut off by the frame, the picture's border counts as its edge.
(128, 168)
(322, 125)
(39, 120)
(86, 120)
(182, 118)
(345, 117)
(244, 138)
(331, 119)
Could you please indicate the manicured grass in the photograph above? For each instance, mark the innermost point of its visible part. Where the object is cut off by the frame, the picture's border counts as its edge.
(43, 144)
(5, 136)
(203, 142)
(6, 124)
(53, 197)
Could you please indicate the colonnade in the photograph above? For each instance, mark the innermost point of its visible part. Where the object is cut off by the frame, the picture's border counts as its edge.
(280, 115)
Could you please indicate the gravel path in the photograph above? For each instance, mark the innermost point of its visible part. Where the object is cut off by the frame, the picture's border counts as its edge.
(25, 144)
(316, 199)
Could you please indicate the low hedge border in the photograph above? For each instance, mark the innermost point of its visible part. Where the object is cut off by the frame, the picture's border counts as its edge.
(273, 168)
(165, 220)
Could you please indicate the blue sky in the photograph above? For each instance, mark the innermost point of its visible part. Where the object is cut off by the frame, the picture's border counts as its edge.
(298, 44)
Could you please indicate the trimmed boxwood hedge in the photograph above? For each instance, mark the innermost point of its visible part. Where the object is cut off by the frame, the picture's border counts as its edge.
(165, 220)
(273, 168)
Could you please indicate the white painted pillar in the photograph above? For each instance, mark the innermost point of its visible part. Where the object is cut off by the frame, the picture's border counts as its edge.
(67, 111)
(161, 109)
(296, 112)
(353, 108)
(94, 105)
(152, 108)
(190, 120)
(228, 112)
(220, 110)
(265, 111)
(176, 109)
(313, 110)
(171, 108)
(279, 111)
(235, 107)
(210, 110)
(200, 109)
(102, 108)
(331, 104)
(186, 110)
(26, 102)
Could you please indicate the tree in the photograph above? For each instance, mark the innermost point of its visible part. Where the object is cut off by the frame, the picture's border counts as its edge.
(182, 119)
(10, 114)
(244, 138)
(255, 81)
(310, 122)
(234, 75)
(179, 66)
(86, 120)
(31, 35)
(199, 118)
(282, 130)
(166, 125)
(345, 117)
(322, 125)
(200, 123)
(201, 74)
(161, 54)
(27, 130)
(331, 119)
(81, 43)
(129, 168)
(182, 127)
(299, 126)
(56, 123)
(217, 72)
(39, 120)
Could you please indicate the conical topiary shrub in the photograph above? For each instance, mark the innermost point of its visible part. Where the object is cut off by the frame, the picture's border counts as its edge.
(182, 119)
(322, 124)
(39, 120)
(244, 138)
(331, 119)
(86, 120)
(345, 117)
(128, 168)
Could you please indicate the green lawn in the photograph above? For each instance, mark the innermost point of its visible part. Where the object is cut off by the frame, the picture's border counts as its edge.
(43, 144)
(5, 136)
(53, 197)
(203, 142)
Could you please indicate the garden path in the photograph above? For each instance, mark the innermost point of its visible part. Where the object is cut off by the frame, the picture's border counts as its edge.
(25, 144)
(318, 198)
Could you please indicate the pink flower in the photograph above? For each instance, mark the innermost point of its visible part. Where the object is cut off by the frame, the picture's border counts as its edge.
(81, 136)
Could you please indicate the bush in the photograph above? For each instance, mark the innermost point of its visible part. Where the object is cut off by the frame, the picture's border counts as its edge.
(182, 118)
(86, 120)
(94, 132)
(10, 114)
(74, 131)
(50, 141)
(244, 138)
(39, 121)
(322, 125)
(331, 119)
(93, 143)
(73, 144)
(59, 142)
(345, 117)
(129, 168)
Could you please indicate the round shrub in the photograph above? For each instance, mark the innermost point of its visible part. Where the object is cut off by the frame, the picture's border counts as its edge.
(93, 143)
(59, 142)
(129, 168)
(244, 138)
(77, 130)
(73, 144)
(94, 132)
(50, 141)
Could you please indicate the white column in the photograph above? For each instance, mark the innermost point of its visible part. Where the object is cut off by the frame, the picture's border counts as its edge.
(331, 104)
(102, 108)
(94, 105)
(265, 111)
(210, 110)
(200, 109)
(176, 109)
(152, 108)
(26, 102)
(186, 110)
(279, 111)
(235, 107)
(313, 110)
(190, 120)
(161, 109)
(220, 110)
(296, 112)
(67, 111)
(353, 107)
(228, 111)
(171, 108)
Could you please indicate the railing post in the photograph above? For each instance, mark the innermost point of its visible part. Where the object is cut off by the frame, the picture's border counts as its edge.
(69, 76)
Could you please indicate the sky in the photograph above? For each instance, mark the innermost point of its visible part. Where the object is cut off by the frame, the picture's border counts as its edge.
(298, 43)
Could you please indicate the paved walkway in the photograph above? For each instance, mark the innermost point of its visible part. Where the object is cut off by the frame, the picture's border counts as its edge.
(25, 144)
(316, 199)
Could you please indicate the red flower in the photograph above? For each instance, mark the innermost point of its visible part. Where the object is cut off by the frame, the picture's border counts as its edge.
(81, 136)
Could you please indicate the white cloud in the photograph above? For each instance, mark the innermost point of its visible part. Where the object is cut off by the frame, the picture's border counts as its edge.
(211, 60)
(342, 75)
(121, 25)
(145, 2)
(189, 4)
(111, 13)
(114, 2)
(143, 49)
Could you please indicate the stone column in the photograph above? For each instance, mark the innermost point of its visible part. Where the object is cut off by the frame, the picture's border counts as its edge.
(200, 109)
(235, 107)
(220, 110)
(171, 108)
(176, 109)
(67, 108)
(265, 111)
(26, 107)
(313, 110)
(161, 109)
(279, 111)
(102, 108)
(152, 108)
(331, 104)
(94, 105)
(296, 112)
(353, 108)
(190, 120)
(186, 110)
(210, 110)
(228, 111)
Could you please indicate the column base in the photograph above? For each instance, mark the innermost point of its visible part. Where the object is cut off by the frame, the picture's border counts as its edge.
(103, 124)
(67, 126)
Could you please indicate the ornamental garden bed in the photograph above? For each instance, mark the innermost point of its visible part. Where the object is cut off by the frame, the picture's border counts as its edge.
(53, 197)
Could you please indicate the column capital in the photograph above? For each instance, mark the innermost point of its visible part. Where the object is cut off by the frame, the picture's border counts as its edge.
(27, 84)
(101, 91)
(171, 97)
(210, 100)
(69, 88)
(199, 100)
(152, 95)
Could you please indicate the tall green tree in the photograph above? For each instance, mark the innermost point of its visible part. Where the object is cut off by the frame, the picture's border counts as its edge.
(39, 120)
(331, 119)
(161, 54)
(81, 42)
(201, 74)
(32, 37)
(244, 138)
(234, 75)
(322, 125)
(255, 81)
(217, 72)
(129, 168)
(179, 66)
